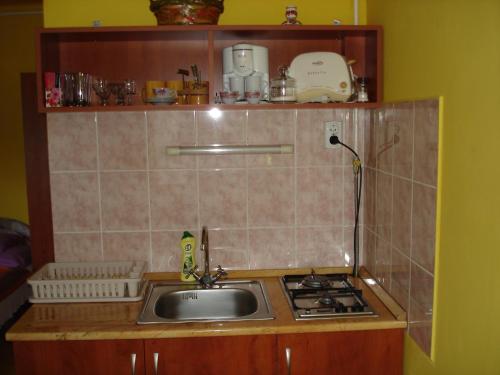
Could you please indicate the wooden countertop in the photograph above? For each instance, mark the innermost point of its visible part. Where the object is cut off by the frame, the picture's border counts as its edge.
(109, 321)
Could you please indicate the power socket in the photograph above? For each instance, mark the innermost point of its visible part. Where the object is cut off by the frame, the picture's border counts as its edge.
(332, 128)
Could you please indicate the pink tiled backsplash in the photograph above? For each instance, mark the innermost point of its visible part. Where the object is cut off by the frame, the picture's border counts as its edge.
(117, 195)
(401, 157)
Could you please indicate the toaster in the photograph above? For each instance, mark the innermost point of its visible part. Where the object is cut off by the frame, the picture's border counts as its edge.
(322, 77)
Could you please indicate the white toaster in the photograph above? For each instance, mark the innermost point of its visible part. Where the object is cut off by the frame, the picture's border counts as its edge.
(322, 77)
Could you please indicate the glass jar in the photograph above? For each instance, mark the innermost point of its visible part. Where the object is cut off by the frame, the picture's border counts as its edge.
(283, 88)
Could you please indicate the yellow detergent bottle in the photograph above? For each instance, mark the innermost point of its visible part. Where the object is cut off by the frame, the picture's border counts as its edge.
(188, 246)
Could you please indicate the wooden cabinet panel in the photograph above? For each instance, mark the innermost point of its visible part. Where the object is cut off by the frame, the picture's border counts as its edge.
(78, 357)
(343, 353)
(242, 355)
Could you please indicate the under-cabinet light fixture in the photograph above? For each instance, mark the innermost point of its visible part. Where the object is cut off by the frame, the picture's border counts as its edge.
(229, 149)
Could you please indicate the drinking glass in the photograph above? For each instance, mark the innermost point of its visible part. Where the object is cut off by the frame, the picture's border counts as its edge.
(102, 90)
(118, 90)
(82, 89)
(130, 90)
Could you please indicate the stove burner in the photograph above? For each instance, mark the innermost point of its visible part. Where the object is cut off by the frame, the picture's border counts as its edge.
(315, 281)
(324, 296)
(326, 299)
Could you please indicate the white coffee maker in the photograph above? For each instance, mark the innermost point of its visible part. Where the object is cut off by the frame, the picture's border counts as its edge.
(243, 65)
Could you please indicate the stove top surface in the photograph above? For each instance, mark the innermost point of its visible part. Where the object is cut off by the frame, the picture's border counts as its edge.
(324, 296)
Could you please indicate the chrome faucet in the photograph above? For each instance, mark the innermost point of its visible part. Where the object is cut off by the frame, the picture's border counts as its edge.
(206, 280)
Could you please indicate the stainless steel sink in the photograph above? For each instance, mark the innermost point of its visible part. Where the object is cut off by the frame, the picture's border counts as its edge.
(176, 302)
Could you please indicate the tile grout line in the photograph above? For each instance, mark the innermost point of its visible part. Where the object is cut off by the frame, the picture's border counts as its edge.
(411, 213)
(247, 239)
(295, 188)
(148, 181)
(99, 190)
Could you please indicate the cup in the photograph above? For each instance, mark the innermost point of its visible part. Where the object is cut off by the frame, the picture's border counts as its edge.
(82, 89)
(68, 89)
(237, 84)
(148, 90)
(176, 85)
(252, 97)
(252, 83)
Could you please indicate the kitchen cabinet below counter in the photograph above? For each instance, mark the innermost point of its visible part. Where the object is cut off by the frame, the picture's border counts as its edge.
(360, 352)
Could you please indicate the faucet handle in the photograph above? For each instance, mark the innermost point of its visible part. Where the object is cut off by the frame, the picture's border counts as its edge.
(221, 270)
(193, 272)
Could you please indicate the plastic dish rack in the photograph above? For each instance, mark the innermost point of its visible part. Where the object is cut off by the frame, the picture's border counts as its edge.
(88, 282)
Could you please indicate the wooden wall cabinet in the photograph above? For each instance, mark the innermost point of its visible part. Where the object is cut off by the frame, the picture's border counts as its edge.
(371, 352)
(156, 53)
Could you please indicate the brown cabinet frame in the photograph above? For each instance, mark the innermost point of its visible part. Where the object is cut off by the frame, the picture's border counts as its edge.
(155, 53)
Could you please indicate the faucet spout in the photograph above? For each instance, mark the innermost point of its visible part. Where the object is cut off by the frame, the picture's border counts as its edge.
(206, 280)
(205, 249)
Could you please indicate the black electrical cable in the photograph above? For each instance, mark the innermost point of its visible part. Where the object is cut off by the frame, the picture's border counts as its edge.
(358, 173)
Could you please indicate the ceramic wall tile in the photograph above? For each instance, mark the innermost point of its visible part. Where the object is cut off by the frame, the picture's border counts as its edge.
(75, 202)
(403, 139)
(317, 246)
(369, 199)
(384, 138)
(421, 294)
(400, 278)
(271, 198)
(126, 246)
(369, 255)
(349, 195)
(426, 141)
(271, 248)
(348, 256)
(124, 201)
(174, 203)
(424, 226)
(383, 206)
(383, 262)
(122, 140)
(310, 147)
(370, 140)
(402, 213)
(166, 250)
(318, 199)
(223, 198)
(421, 307)
(228, 248)
(228, 129)
(245, 200)
(72, 141)
(401, 224)
(77, 247)
(271, 128)
(170, 128)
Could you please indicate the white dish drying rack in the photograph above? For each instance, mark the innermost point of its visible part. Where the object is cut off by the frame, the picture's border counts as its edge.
(88, 282)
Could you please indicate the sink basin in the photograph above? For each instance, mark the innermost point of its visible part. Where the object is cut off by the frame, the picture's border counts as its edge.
(175, 302)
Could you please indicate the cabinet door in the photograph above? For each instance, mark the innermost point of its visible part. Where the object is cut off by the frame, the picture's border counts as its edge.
(79, 357)
(242, 355)
(343, 353)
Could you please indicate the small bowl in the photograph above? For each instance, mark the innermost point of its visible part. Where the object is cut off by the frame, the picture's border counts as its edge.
(252, 97)
(163, 92)
(229, 97)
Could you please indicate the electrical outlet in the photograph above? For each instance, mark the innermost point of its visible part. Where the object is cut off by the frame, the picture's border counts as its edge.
(332, 128)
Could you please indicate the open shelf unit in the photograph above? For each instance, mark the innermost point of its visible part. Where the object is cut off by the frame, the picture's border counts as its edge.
(156, 53)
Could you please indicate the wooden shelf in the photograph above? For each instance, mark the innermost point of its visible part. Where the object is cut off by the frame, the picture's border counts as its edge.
(155, 53)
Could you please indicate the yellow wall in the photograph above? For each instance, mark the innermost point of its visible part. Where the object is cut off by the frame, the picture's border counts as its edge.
(17, 54)
(64, 13)
(452, 48)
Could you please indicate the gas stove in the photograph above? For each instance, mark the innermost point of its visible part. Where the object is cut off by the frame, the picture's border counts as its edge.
(324, 296)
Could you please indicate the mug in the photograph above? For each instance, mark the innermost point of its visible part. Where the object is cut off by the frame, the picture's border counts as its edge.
(252, 83)
(237, 83)
(148, 90)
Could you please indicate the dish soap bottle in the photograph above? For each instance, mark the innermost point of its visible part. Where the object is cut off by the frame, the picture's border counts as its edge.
(188, 246)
